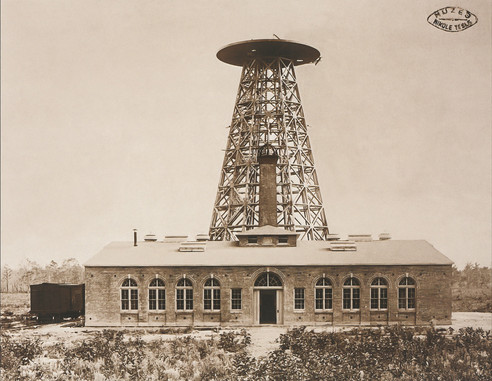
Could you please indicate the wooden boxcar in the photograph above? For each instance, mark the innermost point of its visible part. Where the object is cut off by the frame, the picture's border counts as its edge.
(53, 301)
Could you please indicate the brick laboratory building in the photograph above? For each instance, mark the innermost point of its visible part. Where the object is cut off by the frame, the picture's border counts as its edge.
(269, 257)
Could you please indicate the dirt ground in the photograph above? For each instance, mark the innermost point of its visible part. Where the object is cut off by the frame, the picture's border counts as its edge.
(263, 339)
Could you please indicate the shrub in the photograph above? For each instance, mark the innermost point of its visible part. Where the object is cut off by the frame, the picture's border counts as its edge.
(233, 341)
(15, 353)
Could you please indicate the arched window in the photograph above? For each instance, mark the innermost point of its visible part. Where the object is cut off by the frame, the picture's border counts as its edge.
(406, 294)
(157, 295)
(129, 295)
(268, 279)
(211, 295)
(379, 294)
(351, 294)
(324, 294)
(184, 295)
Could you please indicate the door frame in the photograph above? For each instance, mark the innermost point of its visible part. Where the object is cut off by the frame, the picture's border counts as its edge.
(280, 304)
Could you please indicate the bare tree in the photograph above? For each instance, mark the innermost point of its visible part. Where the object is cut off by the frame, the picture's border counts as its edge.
(7, 273)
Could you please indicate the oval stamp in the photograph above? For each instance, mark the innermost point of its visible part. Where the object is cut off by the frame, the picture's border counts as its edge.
(452, 19)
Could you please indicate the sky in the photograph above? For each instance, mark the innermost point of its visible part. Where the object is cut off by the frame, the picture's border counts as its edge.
(114, 116)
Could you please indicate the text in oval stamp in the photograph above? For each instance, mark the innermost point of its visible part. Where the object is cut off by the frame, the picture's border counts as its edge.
(452, 19)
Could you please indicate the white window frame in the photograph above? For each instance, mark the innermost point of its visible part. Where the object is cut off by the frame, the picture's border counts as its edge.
(240, 299)
(158, 288)
(324, 288)
(297, 299)
(185, 299)
(215, 286)
(406, 287)
(129, 288)
(378, 287)
(350, 287)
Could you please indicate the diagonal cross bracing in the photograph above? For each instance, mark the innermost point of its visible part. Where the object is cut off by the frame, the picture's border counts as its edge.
(268, 110)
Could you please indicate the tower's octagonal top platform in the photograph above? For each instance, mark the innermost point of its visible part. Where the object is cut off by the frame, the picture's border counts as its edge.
(240, 53)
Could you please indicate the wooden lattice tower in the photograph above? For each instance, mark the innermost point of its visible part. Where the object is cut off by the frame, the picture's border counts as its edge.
(268, 110)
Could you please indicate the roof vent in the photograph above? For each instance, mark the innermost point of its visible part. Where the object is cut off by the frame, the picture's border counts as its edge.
(360, 237)
(192, 246)
(332, 237)
(384, 236)
(343, 245)
(175, 238)
(150, 238)
(202, 237)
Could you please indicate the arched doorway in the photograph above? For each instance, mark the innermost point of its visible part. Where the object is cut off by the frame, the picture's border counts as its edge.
(268, 299)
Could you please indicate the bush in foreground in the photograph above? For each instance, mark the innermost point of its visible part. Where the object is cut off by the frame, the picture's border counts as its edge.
(391, 353)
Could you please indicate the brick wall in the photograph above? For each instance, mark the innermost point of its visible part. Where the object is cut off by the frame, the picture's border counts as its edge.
(433, 295)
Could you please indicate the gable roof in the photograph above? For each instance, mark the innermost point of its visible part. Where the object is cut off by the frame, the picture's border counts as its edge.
(306, 253)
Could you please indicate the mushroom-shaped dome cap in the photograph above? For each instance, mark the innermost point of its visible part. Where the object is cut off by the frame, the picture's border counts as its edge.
(267, 150)
(240, 53)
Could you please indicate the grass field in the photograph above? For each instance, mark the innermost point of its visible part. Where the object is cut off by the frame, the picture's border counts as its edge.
(18, 303)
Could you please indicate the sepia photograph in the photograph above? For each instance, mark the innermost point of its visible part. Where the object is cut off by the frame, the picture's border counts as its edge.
(246, 190)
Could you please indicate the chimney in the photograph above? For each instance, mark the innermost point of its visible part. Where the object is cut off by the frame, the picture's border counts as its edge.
(267, 158)
(134, 237)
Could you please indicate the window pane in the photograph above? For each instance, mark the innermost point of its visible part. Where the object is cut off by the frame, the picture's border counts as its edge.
(262, 280)
(374, 298)
(299, 293)
(319, 299)
(124, 294)
(207, 294)
(346, 304)
(356, 293)
(402, 298)
(383, 303)
(207, 304)
(162, 299)
(124, 304)
(134, 294)
(374, 304)
(152, 294)
(189, 304)
(402, 293)
(401, 303)
(374, 293)
(152, 305)
(134, 304)
(411, 293)
(274, 280)
(217, 304)
(328, 298)
(384, 293)
(355, 304)
(299, 298)
(236, 293)
(346, 298)
(253, 239)
(180, 304)
(411, 298)
(189, 299)
(236, 299)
